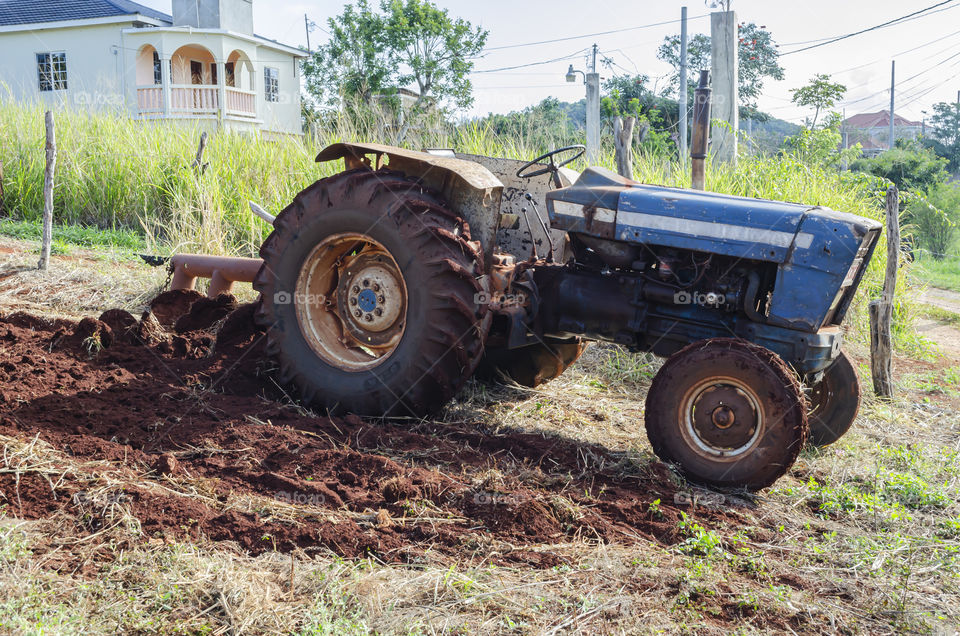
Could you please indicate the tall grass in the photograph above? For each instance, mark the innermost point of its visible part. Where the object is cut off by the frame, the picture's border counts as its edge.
(118, 173)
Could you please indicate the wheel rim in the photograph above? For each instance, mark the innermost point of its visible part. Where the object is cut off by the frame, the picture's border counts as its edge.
(721, 418)
(351, 301)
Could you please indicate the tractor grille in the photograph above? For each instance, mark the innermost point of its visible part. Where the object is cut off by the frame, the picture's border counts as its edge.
(852, 280)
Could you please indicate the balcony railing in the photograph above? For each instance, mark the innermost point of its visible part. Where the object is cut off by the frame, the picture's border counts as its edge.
(196, 99)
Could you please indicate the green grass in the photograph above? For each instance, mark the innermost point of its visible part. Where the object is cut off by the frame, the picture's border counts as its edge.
(944, 274)
(84, 236)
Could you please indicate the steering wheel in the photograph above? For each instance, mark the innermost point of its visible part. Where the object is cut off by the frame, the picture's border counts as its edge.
(551, 167)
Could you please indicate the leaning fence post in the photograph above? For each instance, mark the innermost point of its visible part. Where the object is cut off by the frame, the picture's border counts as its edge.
(51, 148)
(881, 311)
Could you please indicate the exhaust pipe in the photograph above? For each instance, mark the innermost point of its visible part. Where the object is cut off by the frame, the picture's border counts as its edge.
(701, 132)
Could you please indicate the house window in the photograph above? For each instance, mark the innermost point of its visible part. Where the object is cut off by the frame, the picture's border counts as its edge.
(52, 71)
(157, 69)
(213, 73)
(271, 84)
(231, 78)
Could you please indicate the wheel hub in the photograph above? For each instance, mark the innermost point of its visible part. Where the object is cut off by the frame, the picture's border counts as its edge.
(371, 299)
(723, 417)
(351, 301)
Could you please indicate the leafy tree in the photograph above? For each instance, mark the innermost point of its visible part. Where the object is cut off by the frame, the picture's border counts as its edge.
(819, 146)
(945, 131)
(909, 166)
(354, 63)
(433, 49)
(819, 94)
(935, 217)
(408, 41)
(758, 60)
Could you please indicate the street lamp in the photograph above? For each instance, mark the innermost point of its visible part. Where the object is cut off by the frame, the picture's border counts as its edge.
(592, 82)
(572, 74)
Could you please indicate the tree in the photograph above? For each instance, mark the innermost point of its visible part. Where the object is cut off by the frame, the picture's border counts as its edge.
(945, 131)
(408, 41)
(758, 60)
(432, 49)
(909, 166)
(354, 63)
(819, 94)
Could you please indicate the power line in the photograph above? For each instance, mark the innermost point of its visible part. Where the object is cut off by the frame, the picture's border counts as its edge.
(873, 28)
(510, 68)
(591, 35)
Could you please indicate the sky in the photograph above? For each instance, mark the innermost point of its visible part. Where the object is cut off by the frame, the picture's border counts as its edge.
(926, 48)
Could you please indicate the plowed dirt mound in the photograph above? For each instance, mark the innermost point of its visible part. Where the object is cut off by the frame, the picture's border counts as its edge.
(196, 425)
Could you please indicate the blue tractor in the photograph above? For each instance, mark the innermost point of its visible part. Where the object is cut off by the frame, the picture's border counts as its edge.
(388, 285)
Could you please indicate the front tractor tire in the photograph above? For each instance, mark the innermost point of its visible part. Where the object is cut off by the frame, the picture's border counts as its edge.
(727, 413)
(834, 402)
(368, 290)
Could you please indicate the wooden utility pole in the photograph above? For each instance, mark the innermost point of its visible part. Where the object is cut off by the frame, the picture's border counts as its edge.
(881, 311)
(51, 149)
(306, 22)
(682, 101)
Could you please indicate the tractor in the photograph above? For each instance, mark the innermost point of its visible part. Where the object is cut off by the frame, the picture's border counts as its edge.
(385, 287)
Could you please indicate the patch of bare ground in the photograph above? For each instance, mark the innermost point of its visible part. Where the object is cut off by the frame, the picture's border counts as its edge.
(156, 479)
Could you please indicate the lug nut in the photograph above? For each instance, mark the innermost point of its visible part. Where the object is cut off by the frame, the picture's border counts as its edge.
(378, 311)
(376, 287)
(366, 283)
(358, 313)
(381, 298)
(355, 290)
(368, 318)
(353, 301)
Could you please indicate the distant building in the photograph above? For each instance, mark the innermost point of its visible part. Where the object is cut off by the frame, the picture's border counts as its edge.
(204, 63)
(872, 131)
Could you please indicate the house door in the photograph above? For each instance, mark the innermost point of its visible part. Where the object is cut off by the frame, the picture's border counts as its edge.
(196, 72)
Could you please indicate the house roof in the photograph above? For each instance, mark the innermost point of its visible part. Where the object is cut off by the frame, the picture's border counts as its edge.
(16, 12)
(876, 120)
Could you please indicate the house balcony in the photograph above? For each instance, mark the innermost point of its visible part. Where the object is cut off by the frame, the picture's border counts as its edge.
(193, 100)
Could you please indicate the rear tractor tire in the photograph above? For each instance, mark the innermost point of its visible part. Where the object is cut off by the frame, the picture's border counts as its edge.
(368, 296)
(534, 364)
(727, 413)
(834, 402)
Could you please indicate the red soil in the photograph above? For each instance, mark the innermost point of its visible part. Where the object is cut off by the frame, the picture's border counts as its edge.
(202, 406)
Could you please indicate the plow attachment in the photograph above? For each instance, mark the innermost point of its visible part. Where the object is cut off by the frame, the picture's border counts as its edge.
(223, 271)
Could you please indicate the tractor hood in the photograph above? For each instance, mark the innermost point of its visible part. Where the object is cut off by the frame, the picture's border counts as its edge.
(821, 253)
(604, 204)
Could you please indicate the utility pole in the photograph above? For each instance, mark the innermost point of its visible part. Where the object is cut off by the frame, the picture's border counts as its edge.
(724, 62)
(306, 23)
(682, 102)
(592, 80)
(893, 66)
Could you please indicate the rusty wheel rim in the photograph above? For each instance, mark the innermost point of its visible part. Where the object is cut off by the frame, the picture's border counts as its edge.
(721, 418)
(351, 301)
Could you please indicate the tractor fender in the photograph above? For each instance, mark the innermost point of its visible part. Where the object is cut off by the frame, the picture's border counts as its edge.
(470, 189)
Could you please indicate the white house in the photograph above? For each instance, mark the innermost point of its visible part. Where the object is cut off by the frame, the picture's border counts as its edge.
(203, 63)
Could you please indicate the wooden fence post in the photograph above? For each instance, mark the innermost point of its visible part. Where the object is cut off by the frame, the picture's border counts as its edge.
(198, 162)
(51, 148)
(623, 144)
(881, 311)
